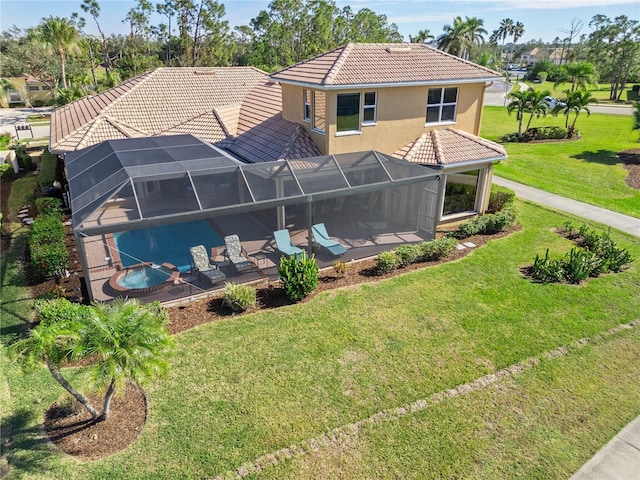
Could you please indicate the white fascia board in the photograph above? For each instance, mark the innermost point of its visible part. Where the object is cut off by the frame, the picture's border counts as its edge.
(361, 86)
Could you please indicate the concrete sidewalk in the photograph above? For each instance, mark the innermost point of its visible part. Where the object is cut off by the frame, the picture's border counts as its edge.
(620, 458)
(615, 220)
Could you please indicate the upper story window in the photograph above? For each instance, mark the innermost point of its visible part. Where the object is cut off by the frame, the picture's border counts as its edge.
(46, 87)
(441, 104)
(306, 95)
(369, 108)
(34, 88)
(348, 115)
(319, 111)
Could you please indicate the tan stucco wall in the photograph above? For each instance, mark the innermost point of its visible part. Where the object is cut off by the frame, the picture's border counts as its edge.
(400, 117)
(20, 86)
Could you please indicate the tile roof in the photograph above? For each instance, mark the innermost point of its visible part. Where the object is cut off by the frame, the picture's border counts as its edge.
(383, 64)
(450, 146)
(155, 102)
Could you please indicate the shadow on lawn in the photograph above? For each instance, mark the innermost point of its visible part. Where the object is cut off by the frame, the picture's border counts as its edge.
(25, 447)
(605, 157)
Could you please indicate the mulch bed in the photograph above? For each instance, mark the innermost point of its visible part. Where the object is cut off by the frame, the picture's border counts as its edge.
(631, 162)
(76, 435)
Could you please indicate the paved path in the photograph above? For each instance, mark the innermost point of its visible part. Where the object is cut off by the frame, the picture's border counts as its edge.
(620, 458)
(615, 220)
(9, 117)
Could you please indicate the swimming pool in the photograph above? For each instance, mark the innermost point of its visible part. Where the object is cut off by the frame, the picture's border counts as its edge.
(168, 243)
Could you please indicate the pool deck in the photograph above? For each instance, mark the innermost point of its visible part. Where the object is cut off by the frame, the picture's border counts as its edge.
(104, 260)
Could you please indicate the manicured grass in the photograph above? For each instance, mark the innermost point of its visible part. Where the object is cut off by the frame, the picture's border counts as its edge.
(243, 387)
(585, 169)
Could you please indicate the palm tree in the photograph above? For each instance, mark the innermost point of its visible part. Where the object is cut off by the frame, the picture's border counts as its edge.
(454, 39)
(126, 340)
(62, 36)
(423, 36)
(129, 342)
(517, 31)
(474, 32)
(52, 342)
(580, 74)
(576, 102)
(505, 29)
(527, 101)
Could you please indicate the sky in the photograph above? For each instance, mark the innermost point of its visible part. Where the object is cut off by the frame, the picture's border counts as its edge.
(542, 19)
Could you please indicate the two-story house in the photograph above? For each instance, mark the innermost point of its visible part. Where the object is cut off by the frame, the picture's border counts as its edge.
(378, 141)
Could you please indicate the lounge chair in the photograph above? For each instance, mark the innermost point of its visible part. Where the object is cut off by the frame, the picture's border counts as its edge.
(236, 254)
(200, 261)
(322, 238)
(283, 243)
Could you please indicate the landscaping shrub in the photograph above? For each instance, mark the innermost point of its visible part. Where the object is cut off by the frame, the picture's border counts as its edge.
(546, 270)
(49, 206)
(299, 276)
(24, 159)
(542, 76)
(500, 221)
(499, 199)
(470, 227)
(49, 259)
(407, 254)
(48, 165)
(550, 133)
(239, 297)
(386, 262)
(6, 170)
(47, 247)
(5, 140)
(511, 137)
(437, 249)
(598, 254)
(341, 267)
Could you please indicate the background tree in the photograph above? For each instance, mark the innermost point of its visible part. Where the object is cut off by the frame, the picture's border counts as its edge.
(505, 29)
(61, 35)
(423, 36)
(454, 38)
(579, 74)
(92, 7)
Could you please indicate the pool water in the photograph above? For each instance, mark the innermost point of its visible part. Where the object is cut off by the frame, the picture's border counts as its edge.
(144, 277)
(168, 243)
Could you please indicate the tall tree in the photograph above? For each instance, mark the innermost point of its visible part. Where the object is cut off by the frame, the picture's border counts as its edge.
(167, 9)
(92, 7)
(505, 29)
(574, 29)
(61, 35)
(575, 102)
(579, 74)
(454, 38)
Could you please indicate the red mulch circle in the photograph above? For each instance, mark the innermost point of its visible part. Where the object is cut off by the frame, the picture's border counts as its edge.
(77, 435)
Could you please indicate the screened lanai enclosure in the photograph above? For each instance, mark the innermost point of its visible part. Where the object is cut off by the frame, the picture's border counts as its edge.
(140, 205)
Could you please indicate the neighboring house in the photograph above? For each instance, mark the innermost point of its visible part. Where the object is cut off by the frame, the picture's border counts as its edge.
(391, 128)
(28, 91)
(534, 56)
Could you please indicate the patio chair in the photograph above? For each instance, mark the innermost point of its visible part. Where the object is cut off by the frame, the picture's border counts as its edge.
(283, 243)
(200, 261)
(236, 254)
(322, 238)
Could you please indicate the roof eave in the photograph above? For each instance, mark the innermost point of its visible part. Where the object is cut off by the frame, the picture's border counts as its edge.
(419, 83)
(483, 161)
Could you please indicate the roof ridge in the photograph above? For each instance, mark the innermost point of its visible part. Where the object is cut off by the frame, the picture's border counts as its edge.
(437, 147)
(123, 126)
(417, 145)
(337, 65)
(292, 140)
(225, 129)
(90, 130)
(482, 141)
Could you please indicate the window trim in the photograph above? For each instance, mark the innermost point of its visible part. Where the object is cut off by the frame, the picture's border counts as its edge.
(373, 107)
(306, 106)
(313, 112)
(441, 106)
(352, 131)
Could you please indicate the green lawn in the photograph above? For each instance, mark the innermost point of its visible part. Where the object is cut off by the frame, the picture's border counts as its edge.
(585, 169)
(250, 385)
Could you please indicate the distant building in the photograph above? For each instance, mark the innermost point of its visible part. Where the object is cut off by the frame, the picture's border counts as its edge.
(26, 90)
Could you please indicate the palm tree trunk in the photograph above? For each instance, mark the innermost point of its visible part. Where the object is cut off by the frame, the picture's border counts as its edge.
(63, 70)
(107, 401)
(67, 386)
